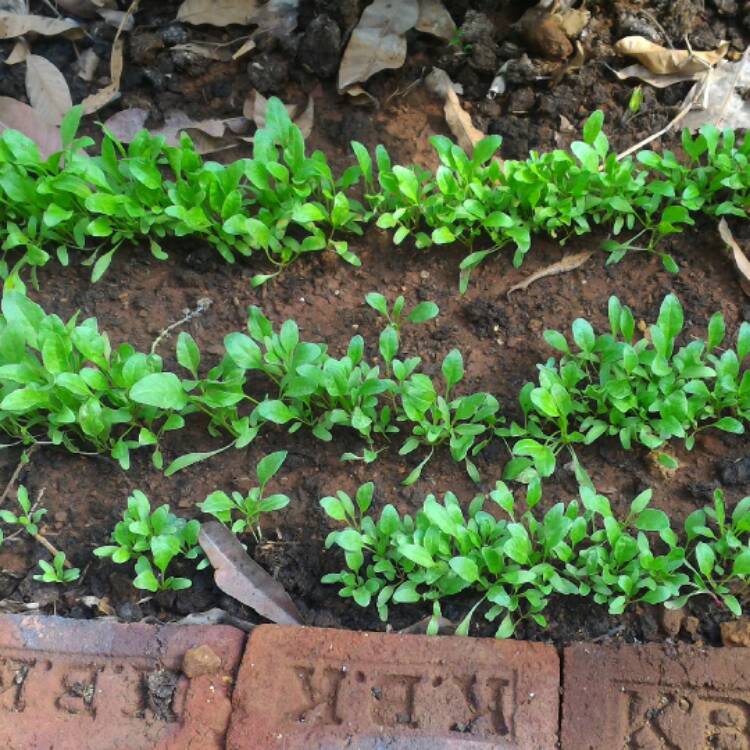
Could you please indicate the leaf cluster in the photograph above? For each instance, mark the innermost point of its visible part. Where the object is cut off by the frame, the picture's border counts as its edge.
(516, 563)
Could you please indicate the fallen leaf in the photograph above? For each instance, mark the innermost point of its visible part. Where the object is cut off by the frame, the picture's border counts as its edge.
(435, 19)
(15, 24)
(445, 626)
(111, 91)
(125, 125)
(218, 12)
(660, 81)
(574, 20)
(239, 576)
(209, 51)
(248, 46)
(118, 18)
(16, 115)
(721, 97)
(377, 41)
(47, 89)
(85, 8)
(568, 263)
(276, 17)
(666, 61)
(87, 64)
(14, 6)
(255, 106)
(94, 102)
(742, 264)
(459, 121)
(543, 33)
(19, 53)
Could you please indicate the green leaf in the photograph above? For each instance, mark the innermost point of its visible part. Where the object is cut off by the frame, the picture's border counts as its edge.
(269, 465)
(705, 557)
(465, 568)
(161, 389)
(652, 519)
(417, 554)
(275, 411)
(188, 354)
(423, 312)
(453, 368)
(443, 236)
(593, 126)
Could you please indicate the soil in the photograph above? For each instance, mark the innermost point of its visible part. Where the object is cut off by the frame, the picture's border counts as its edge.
(500, 337)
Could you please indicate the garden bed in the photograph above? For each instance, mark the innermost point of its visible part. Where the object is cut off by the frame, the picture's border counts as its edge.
(499, 334)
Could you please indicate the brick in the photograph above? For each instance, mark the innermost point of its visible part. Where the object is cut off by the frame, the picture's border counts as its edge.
(648, 697)
(317, 689)
(93, 685)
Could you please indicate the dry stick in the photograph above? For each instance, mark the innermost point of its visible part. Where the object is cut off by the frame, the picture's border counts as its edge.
(40, 537)
(203, 304)
(696, 91)
(16, 472)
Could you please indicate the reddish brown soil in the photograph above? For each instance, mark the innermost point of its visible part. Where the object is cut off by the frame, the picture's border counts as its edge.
(501, 339)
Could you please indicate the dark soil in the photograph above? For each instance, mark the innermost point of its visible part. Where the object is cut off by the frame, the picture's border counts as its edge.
(500, 337)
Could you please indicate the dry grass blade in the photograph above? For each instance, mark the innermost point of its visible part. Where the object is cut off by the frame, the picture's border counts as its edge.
(239, 576)
(47, 89)
(742, 264)
(568, 263)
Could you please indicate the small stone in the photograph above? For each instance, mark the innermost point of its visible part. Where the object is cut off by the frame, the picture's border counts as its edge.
(522, 100)
(736, 632)
(175, 34)
(671, 621)
(735, 472)
(144, 48)
(199, 661)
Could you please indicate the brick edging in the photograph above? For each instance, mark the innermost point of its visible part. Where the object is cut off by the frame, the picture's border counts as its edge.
(101, 685)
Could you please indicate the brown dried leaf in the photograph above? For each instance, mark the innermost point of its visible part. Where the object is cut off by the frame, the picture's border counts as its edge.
(120, 19)
(665, 61)
(659, 81)
(209, 51)
(248, 46)
(434, 19)
(47, 89)
(15, 24)
(94, 102)
(19, 53)
(377, 41)
(239, 576)
(459, 121)
(218, 12)
(19, 116)
(742, 264)
(574, 20)
(255, 106)
(568, 263)
(87, 64)
(86, 8)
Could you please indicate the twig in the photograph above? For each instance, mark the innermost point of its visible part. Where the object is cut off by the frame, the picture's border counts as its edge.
(653, 20)
(203, 304)
(14, 476)
(696, 91)
(51, 549)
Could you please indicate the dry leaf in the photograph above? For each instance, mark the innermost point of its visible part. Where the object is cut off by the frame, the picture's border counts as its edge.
(248, 46)
(276, 17)
(574, 20)
(568, 263)
(742, 264)
(118, 18)
(659, 81)
(255, 106)
(218, 12)
(94, 102)
(239, 576)
(47, 89)
(723, 101)
(86, 8)
(207, 135)
(445, 626)
(459, 121)
(19, 116)
(209, 51)
(14, 24)
(666, 61)
(14, 6)
(19, 53)
(434, 19)
(87, 64)
(377, 41)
